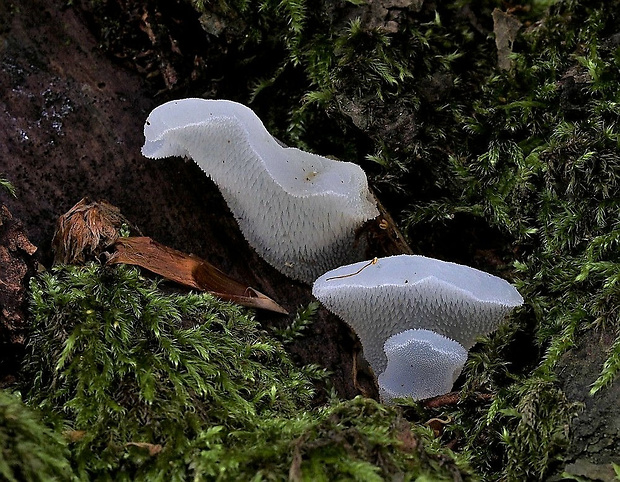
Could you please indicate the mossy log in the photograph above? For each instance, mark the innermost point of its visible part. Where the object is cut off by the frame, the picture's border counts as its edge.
(513, 170)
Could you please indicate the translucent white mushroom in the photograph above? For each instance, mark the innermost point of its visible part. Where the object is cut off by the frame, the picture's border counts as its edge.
(298, 210)
(420, 364)
(406, 292)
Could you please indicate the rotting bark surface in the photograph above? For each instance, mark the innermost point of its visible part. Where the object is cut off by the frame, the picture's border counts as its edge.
(16, 268)
(595, 432)
(71, 125)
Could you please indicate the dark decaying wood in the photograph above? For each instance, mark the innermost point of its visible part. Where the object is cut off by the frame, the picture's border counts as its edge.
(16, 267)
(16, 262)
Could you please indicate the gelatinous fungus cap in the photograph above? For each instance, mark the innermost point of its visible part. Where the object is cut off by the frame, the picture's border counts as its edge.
(299, 211)
(404, 292)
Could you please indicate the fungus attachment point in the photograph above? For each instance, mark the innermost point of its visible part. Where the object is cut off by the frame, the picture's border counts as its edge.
(298, 210)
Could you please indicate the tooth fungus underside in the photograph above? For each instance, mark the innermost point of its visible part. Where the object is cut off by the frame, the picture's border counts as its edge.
(420, 364)
(406, 292)
(298, 210)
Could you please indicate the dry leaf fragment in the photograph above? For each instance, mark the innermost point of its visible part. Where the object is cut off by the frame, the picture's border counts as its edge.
(188, 270)
(452, 398)
(74, 435)
(153, 449)
(505, 28)
(92, 229)
(88, 228)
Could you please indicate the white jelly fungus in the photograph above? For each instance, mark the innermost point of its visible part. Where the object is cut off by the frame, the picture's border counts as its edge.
(299, 211)
(399, 293)
(420, 364)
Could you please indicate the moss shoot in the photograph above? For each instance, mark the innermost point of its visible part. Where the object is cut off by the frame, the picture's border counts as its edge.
(28, 449)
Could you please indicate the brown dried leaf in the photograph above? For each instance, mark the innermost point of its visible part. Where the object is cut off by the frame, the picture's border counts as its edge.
(153, 449)
(86, 230)
(188, 270)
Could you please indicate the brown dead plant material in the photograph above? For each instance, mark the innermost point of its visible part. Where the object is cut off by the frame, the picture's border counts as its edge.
(188, 270)
(294, 473)
(407, 438)
(505, 28)
(452, 398)
(153, 449)
(16, 261)
(86, 231)
(436, 424)
(382, 236)
(73, 436)
(92, 230)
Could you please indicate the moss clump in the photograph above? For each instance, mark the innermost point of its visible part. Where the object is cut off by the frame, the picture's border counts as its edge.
(534, 166)
(170, 387)
(126, 364)
(29, 451)
(541, 165)
(352, 440)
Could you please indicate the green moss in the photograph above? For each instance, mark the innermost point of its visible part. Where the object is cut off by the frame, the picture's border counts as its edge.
(548, 175)
(7, 186)
(300, 324)
(353, 440)
(535, 157)
(153, 386)
(29, 451)
(127, 364)
(528, 421)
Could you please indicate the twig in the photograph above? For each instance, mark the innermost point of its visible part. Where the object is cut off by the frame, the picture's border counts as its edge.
(373, 261)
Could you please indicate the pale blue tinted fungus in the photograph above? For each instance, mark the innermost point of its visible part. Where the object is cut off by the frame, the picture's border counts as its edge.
(406, 292)
(420, 364)
(299, 211)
